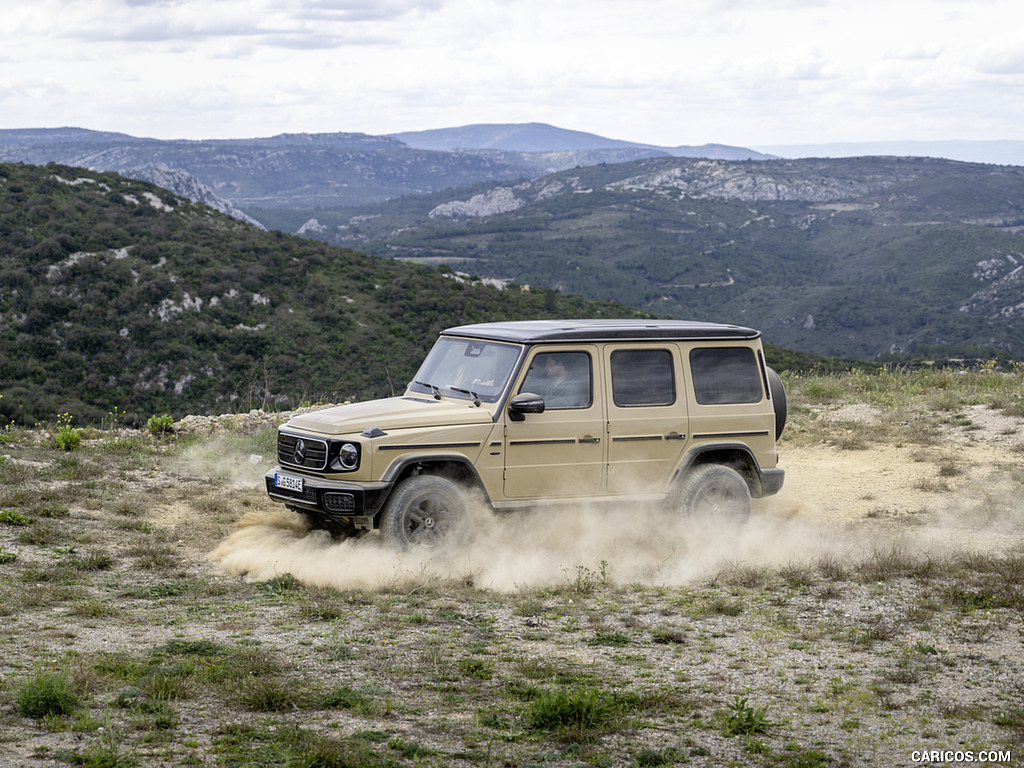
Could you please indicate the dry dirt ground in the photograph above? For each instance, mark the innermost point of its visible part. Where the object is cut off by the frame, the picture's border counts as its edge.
(899, 478)
(870, 614)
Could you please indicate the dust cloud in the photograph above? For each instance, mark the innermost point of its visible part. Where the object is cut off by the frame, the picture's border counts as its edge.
(625, 544)
(225, 460)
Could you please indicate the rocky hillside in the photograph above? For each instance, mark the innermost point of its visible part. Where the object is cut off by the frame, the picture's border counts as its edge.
(862, 257)
(874, 257)
(188, 186)
(117, 296)
(777, 181)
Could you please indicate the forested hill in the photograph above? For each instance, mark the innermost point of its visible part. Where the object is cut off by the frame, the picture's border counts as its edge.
(118, 296)
(869, 257)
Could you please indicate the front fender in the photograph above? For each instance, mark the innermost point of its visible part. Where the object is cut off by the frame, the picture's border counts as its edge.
(455, 466)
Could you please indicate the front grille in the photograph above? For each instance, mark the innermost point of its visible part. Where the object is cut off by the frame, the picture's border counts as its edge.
(339, 502)
(300, 451)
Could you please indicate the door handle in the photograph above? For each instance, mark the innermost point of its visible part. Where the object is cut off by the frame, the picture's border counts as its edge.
(589, 439)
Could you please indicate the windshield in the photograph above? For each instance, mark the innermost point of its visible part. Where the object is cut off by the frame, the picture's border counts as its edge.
(466, 368)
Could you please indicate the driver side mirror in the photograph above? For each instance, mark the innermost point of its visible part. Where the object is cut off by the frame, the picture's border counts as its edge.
(524, 403)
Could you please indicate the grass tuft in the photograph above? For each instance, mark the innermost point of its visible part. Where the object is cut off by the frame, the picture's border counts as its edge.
(12, 517)
(46, 694)
(576, 714)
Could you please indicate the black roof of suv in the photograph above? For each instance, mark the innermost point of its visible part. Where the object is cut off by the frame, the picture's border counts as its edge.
(538, 331)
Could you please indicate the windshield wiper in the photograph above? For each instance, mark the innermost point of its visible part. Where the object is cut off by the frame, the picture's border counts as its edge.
(431, 387)
(476, 398)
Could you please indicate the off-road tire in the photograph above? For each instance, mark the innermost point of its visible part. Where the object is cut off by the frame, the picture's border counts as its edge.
(714, 492)
(425, 511)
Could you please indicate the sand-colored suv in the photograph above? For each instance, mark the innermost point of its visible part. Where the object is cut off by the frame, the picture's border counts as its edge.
(524, 414)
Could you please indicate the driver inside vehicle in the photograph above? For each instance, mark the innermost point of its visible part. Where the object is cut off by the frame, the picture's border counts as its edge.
(562, 379)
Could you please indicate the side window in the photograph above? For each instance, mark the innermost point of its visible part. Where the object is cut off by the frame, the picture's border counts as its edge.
(725, 375)
(563, 379)
(642, 377)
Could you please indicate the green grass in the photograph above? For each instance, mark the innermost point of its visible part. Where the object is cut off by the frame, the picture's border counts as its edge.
(11, 517)
(917, 401)
(741, 719)
(46, 694)
(105, 752)
(346, 697)
(610, 639)
(575, 714)
(261, 746)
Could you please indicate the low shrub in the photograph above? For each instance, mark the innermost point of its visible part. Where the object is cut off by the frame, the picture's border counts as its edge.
(67, 438)
(47, 694)
(744, 720)
(160, 425)
(575, 713)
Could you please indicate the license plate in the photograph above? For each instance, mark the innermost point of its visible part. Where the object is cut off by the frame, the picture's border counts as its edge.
(288, 483)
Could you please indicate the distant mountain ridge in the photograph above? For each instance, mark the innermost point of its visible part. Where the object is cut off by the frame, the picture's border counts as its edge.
(298, 170)
(277, 171)
(541, 137)
(995, 152)
(513, 137)
(268, 179)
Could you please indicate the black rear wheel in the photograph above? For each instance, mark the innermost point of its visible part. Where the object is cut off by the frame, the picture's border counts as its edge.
(714, 492)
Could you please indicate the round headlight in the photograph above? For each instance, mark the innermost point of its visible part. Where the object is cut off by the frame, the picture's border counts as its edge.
(348, 456)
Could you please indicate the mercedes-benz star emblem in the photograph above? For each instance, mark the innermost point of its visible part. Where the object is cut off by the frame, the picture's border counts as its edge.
(300, 451)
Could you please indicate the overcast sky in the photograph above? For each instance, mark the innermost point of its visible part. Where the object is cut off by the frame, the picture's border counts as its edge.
(667, 72)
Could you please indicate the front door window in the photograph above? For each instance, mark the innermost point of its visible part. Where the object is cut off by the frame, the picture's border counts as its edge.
(563, 379)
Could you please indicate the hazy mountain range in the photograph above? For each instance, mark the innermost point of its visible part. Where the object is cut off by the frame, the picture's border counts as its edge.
(332, 169)
(1007, 152)
(260, 177)
(540, 137)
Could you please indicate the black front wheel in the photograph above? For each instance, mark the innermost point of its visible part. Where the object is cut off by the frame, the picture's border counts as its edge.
(425, 511)
(714, 492)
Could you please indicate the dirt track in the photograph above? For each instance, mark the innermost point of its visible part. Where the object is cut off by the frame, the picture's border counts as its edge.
(893, 480)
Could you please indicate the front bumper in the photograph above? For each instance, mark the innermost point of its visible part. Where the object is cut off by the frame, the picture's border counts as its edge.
(329, 497)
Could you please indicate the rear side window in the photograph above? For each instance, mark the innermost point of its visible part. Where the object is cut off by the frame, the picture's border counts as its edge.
(725, 375)
(642, 377)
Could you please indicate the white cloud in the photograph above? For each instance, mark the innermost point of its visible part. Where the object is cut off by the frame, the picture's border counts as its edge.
(731, 71)
(1003, 58)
